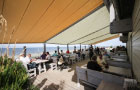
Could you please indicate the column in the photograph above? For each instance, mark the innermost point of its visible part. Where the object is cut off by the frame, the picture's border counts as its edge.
(24, 51)
(44, 47)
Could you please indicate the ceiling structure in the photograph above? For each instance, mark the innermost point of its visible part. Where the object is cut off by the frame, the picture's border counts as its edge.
(36, 21)
(90, 30)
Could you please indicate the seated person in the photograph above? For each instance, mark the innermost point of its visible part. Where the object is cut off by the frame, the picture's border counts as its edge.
(30, 62)
(61, 63)
(93, 65)
(55, 54)
(74, 51)
(62, 52)
(83, 54)
(67, 51)
(106, 54)
(43, 56)
(48, 57)
(102, 62)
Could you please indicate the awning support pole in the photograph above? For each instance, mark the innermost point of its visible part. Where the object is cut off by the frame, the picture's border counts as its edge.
(44, 47)
(80, 47)
(24, 51)
(67, 47)
(74, 48)
(58, 49)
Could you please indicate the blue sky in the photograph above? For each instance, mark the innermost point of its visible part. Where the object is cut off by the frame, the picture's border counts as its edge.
(113, 42)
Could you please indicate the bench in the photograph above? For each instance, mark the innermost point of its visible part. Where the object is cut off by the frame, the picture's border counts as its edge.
(93, 78)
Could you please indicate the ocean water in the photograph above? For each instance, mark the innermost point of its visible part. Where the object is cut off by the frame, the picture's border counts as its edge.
(36, 52)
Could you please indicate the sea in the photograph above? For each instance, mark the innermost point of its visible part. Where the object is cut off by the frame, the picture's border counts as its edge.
(37, 51)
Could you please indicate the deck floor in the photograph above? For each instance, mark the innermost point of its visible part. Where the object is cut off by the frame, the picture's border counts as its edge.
(60, 80)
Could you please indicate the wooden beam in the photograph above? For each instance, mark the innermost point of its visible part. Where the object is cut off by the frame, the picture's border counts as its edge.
(110, 38)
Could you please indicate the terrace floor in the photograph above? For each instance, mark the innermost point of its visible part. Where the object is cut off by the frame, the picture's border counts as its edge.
(60, 80)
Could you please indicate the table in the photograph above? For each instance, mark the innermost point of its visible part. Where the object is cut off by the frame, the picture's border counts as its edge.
(119, 70)
(39, 61)
(109, 86)
(119, 59)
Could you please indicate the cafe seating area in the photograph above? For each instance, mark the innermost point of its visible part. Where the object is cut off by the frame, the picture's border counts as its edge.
(117, 77)
(69, 60)
(76, 76)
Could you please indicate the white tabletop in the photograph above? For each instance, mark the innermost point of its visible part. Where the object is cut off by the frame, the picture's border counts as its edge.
(119, 70)
(40, 61)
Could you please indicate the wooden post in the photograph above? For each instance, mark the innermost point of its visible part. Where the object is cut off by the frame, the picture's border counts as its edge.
(24, 51)
(44, 47)
(67, 47)
(58, 49)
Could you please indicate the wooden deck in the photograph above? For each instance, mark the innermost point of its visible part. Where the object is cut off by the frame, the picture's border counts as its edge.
(60, 80)
(65, 79)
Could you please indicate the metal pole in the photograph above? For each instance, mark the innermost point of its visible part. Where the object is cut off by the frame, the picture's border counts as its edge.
(74, 48)
(67, 47)
(80, 47)
(58, 49)
(85, 47)
(24, 51)
(44, 47)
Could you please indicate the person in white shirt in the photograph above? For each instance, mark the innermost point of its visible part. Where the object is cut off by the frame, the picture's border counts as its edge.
(48, 57)
(30, 62)
(83, 54)
(28, 58)
(62, 52)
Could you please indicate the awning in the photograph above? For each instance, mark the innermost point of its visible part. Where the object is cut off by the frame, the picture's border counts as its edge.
(36, 21)
(93, 29)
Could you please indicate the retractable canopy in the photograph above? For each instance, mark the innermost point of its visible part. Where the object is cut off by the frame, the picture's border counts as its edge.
(93, 29)
(36, 21)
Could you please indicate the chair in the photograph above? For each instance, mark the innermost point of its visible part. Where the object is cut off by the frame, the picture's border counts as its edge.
(73, 58)
(31, 72)
(53, 65)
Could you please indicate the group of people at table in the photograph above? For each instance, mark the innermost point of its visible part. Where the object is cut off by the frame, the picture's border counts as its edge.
(94, 63)
(30, 62)
(97, 59)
